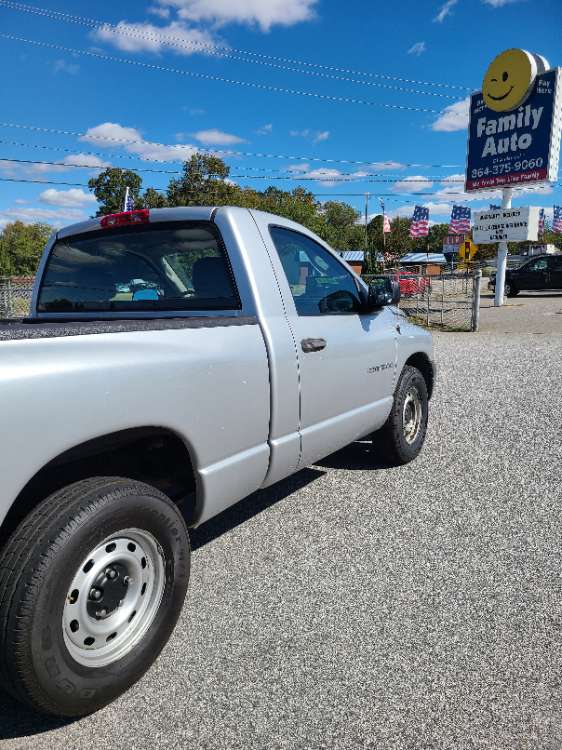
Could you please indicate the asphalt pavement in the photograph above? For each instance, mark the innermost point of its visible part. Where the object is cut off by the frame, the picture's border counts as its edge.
(354, 606)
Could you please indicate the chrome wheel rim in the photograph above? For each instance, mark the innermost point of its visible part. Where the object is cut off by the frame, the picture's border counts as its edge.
(412, 415)
(113, 598)
(507, 289)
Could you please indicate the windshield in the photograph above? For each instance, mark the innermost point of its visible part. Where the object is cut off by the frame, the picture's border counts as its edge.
(164, 267)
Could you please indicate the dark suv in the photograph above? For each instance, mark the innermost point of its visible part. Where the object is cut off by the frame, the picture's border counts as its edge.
(541, 272)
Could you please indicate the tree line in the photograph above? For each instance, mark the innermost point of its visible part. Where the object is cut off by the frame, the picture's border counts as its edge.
(204, 181)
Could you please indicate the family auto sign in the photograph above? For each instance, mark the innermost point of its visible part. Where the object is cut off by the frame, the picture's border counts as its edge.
(515, 123)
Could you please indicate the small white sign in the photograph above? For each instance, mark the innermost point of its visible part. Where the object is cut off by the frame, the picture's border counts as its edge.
(505, 224)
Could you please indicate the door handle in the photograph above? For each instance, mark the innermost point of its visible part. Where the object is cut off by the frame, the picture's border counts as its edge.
(313, 345)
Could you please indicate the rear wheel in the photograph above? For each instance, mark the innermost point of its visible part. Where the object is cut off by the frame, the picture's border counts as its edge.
(401, 438)
(510, 289)
(91, 586)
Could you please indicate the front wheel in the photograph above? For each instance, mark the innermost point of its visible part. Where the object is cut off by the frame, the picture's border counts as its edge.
(401, 438)
(510, 289)
(91, 586)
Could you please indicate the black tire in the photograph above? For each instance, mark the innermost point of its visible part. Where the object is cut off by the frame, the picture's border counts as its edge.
(510, 289)
(37, 567)
(390, 441)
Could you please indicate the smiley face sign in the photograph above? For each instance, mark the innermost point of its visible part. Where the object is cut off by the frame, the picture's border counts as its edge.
(510, 77)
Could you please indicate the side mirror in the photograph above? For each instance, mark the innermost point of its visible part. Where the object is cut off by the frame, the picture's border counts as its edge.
(382, 291)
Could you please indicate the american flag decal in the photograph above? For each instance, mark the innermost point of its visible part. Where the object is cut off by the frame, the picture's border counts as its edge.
(385, 224)
(460, 220)
(541, 221)
(420, 222)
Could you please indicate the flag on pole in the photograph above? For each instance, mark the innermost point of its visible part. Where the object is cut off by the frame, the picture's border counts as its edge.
(420, 222)
(557, 219)
(541, 221)
(128, 203)
(494, 207)
(460, 220)
(385, 224)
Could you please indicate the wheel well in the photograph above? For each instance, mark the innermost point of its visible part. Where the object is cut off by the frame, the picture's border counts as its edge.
(153, 455)
(422, 362)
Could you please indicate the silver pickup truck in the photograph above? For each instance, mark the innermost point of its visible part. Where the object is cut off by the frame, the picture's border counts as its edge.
(175, 361)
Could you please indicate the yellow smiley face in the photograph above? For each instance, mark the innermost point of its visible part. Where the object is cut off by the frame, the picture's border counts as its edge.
(508, 79)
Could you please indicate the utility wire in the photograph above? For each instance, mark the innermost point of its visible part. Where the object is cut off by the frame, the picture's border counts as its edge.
(220, 79)
(221, 50)
(341, 177)
(226, 152)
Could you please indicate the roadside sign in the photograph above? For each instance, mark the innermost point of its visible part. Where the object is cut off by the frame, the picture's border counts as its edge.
(518, 146)
(467, 250)
(452, 242)
(506, 225)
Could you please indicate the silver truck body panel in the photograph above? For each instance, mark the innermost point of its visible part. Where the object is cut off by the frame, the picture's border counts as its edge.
(250, 406)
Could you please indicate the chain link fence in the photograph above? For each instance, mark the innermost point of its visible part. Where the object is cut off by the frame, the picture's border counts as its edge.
(15, 296)
(450, 300)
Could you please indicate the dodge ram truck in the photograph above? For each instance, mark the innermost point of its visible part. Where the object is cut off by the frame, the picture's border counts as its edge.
(174, 362)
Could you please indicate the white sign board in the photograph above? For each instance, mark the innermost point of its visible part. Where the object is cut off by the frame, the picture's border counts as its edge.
(505, 224)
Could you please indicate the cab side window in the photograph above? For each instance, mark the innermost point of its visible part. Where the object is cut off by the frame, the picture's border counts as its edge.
(319, 283)
(538, 265)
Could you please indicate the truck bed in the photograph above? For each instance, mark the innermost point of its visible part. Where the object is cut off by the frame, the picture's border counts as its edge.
(26, 328)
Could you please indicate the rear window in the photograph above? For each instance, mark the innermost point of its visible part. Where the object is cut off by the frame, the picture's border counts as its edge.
(134, 269)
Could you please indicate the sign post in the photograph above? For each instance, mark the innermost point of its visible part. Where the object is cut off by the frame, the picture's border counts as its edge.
(514, 132)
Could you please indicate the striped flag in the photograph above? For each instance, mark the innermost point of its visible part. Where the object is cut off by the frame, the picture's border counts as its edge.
(128, 203)
(557, 219)
(460, 220)
(420, 222)
(385, 224)
(541, 221)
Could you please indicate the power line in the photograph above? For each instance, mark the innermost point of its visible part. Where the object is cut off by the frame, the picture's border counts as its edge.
(225, 152)
(220, 50)
(341, 177)
(220, 79)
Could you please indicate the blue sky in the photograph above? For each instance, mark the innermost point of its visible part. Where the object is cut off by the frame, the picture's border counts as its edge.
(169, 114)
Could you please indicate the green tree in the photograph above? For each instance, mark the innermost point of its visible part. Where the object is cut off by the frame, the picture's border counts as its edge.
(437, 234)
(152, 198)
(203, 183)
(21, 246)
(110, 186)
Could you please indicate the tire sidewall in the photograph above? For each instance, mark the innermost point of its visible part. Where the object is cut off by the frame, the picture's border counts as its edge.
(410, 377)
(77, 688)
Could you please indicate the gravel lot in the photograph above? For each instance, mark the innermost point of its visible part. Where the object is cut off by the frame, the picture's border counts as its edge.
(357, 607)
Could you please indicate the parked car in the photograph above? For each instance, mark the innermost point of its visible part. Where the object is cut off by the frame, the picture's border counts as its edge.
(127, 419)
(541, 272)
(411, 283)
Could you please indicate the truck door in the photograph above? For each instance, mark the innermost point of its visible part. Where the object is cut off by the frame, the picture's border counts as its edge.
(533, 275)
(347, 359)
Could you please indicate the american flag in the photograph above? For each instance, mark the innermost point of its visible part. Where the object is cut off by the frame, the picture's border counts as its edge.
(420, 222)
(128, 203)
(493, 207)
(460, 220)
(385, 224)
(557, 219)
(541, 221)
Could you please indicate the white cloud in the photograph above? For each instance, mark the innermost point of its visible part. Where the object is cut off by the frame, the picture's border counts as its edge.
(57, 217)
(417, 49)
(413, 183)
(325, 176)
(214, 137)
(113, 135)
(265, 129)
(499, 3)
(159, 11)
(62, 66)
(72, 198)
(145, 37)
(264, 13)
(445, 10)
(454, 117)
(86, 160)
(316, 136)
(16, 169)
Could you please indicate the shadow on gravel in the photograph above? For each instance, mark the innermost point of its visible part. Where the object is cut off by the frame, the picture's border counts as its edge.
(251, 506)
(18, 722)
